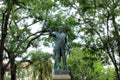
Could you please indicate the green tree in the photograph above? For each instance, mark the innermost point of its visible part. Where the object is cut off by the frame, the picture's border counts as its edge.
(41, 65)
(4, 27)
(86, 66)
(97, 23)
(16, 37)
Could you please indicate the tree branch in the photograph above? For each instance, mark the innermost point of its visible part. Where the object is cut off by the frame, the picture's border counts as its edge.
(30, 40)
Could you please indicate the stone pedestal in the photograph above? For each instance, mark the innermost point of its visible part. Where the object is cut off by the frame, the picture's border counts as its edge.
(61, 75)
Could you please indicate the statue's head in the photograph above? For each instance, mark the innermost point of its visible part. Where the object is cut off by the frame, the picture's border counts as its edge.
(60, 29)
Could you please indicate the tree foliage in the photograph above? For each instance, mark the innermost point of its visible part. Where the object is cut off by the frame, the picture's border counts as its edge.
(86, 66)
(42, 65)
(93, 22)
(99, 27)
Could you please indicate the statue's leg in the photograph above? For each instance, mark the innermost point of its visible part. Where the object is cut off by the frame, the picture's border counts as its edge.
(57, 60)
(64, 59)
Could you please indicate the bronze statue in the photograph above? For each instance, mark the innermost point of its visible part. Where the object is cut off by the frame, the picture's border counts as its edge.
(61, 42)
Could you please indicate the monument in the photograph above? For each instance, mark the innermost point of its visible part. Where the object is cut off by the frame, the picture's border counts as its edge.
(61, 43)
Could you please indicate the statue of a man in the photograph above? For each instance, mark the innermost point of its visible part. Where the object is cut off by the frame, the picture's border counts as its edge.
(61, 43)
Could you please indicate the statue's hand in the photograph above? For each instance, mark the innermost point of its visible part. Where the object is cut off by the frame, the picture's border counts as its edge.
(49, 30)
(68, 46)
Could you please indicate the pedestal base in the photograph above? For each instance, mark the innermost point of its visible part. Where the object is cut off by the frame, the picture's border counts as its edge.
(61, 75)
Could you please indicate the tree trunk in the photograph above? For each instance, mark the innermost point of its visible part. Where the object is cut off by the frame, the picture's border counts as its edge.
(13, 68)
(40, 75)
(115, 65)
(5, 18)
(1, 63)
(117, 40)
(117, 73)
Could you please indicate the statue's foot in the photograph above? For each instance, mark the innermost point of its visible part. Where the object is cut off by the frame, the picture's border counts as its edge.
(57, 69)
(65, 68)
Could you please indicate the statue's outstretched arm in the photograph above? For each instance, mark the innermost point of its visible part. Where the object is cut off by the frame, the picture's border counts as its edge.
(51, 33)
